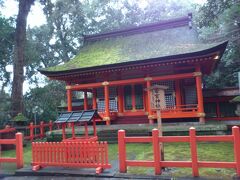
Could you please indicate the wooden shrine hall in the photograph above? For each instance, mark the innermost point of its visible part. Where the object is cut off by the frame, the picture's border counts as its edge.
(114, 72)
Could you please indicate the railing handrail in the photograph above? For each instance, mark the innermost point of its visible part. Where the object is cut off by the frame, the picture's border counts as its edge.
(18, 141)
(195, 164)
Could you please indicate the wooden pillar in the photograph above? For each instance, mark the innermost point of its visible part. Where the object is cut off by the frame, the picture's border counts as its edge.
(69, 98)
(150, 117)
(106, 96)
(19, 150)
(85, 103)
(94, 99)
(178, 93)
(120, 99)
(198, 78)
(133, 98)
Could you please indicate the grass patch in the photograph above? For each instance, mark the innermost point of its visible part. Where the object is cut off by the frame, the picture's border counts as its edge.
(172, 151)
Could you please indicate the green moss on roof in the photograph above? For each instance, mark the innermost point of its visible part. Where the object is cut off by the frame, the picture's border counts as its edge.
(236, 99)
(134, 47)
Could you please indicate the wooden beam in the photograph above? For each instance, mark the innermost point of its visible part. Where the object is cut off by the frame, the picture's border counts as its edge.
(69, 99)
(149, 102)
(133, 81)
(106, 96)
(178, 93)
(120, 99)
(200, 95)
(85, 103)
(94, 99)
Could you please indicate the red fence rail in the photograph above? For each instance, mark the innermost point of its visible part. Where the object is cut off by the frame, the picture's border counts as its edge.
(18, 141)
(70, 154)
(195, 164)
(32, 131)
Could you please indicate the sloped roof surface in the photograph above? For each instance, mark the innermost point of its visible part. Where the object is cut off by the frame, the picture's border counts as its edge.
(77, 116)
(158, 41)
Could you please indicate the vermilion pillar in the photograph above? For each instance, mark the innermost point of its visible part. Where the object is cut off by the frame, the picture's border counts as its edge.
(94, 99)
(198, 78)
(178, 93)
(69, 98)
(106, 96)
(120, 99)
(150, 117)
(85, 103)
(133, 99)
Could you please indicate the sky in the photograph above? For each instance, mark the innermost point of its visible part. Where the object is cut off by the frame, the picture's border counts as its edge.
(37, 18)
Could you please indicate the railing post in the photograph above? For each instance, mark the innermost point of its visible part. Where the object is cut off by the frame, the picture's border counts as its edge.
(41, 129)
(50, 126)
(156, 151)
(194, 156)
(19, 150)
(31, 131)
(122, 151)
(236, 137)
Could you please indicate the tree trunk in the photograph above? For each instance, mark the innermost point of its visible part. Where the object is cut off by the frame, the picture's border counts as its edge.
(18, 64)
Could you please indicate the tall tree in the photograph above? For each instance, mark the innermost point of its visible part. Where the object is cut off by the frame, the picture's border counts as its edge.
(220, 21)
(18, 64)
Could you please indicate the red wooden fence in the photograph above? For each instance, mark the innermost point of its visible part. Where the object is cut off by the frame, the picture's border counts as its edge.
(70, 154)
(195, 164)
(41, 130)
(19, 150)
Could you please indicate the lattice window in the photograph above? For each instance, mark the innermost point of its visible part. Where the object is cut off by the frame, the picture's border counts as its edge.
(113, 107)
(169, 93)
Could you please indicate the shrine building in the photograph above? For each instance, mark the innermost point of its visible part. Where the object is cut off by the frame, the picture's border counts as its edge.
(116, 70)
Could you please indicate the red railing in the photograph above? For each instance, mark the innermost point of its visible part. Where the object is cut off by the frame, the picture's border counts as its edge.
(18, 141)
(7, 129)
(32, 131)
(195, 164)
(70, 154)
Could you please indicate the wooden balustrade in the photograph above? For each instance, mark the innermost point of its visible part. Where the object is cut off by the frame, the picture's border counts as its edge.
(70, 154)
(18, 141)
(194, 163)
(32, 131)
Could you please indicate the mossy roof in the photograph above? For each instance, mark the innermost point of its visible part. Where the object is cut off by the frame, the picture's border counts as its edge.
(132, 47)
(236, 99)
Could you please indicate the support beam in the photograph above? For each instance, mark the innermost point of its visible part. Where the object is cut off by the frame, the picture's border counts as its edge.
(69, 98)
(106, 96)
(178, 93)
(94, 99)
(150, 117)
(120, 99)
(85, 103)
(134, 81)
(198, 79)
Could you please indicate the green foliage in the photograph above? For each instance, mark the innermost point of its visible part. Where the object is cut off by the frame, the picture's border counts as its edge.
(220, 21)
(20, 117)
(6, 49)
(47, 98)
